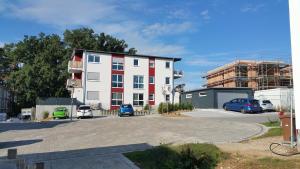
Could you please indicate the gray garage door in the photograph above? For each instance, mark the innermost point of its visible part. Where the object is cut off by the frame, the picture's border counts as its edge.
(223, 97)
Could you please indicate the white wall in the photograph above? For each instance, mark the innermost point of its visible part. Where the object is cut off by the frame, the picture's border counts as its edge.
(129, 72)
(294, 9)
(104, 85)
(279, 97)
(161, 72)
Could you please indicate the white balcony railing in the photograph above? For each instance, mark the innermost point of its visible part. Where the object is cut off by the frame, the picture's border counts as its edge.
(75, 83)
(75, 66)
(178, 74)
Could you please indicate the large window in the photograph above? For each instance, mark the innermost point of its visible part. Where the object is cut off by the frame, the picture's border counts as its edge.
(135, 62)
(94, 76)
(152, 63)
(118, 64)
(93, 58)
(138, 99)
(167, 80)
(116, 99)
(117, 80)
(151, 79)
(138, 82)
(92, 95)
(151, 97)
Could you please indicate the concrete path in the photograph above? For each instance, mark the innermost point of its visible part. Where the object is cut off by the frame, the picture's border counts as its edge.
(100, 141)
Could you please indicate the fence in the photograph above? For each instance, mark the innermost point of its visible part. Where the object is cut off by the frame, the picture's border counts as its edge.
(115, 113)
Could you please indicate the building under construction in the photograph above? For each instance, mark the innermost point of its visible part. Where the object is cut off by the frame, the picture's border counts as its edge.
(259, 75)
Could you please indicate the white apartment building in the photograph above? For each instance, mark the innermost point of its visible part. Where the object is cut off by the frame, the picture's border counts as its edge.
(108, 79)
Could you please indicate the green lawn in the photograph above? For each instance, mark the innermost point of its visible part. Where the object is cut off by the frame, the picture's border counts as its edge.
(272, 163)
(276, 130)
(202, 156)
(272, 124)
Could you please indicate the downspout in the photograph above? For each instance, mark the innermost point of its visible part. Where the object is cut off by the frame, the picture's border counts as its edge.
(173, 90)
(85, 68)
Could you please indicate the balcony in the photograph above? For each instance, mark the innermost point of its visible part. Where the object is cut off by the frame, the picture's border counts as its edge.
(76, 83)
(75, 66)
(178, 74)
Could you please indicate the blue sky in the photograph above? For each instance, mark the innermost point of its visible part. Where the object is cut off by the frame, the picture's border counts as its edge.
(205, 33)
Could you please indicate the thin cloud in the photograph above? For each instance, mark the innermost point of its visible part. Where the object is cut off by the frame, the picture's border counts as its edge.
(205, 15)
(252, 8)
(159, 29)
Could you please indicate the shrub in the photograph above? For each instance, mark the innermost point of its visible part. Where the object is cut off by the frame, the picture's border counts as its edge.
(45, 114)
(147, 107)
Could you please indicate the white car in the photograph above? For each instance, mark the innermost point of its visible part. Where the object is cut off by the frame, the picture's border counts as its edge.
(84, 111)
(266, 105)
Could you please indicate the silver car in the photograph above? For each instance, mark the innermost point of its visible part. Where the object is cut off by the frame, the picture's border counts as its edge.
(266, 105)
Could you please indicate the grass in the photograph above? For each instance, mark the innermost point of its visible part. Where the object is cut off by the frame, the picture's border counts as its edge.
(272, 132)
(274, 163)
(202, 156)
(272, 124)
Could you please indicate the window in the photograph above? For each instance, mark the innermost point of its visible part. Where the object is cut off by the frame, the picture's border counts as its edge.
(116, 99)
(202, 94)
(117, 80)
(151, 79)
(92, 95)
(152, 63)
(135, 62)
(93, 59)
(93, 76)
(167, 80)
(167, 98)
(138, 82)
(138, 99)
(151, 97)
(167, 65)
(188, 96)
(118, 64)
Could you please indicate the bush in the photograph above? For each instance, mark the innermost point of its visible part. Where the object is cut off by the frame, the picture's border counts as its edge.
(168, 107)
(147, 107)
(45, 114)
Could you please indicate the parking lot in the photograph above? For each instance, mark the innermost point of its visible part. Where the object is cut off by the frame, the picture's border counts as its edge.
(50, 141)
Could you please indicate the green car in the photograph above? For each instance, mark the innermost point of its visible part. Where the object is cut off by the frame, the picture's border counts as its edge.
(60, 112)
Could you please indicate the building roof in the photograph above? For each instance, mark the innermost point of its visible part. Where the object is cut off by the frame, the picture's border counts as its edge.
(218, 88)
(133, 55)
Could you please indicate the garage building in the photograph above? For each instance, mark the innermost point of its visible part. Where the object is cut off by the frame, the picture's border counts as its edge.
(214, 97)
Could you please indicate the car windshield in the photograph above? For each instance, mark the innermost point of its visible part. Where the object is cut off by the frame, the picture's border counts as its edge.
(266, 101)
(60, 109)
(126, 106)
(254, 102)
(84, 108)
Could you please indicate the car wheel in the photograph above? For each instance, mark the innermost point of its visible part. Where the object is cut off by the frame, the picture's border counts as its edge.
(225, 108)
(243, 111)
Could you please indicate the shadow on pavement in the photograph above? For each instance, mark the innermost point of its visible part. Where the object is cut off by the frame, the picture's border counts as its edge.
(100, 158)
(10, 144)
(31, 125)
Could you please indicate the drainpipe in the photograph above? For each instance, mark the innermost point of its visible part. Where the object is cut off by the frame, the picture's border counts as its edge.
(173, 91)
(84, 69)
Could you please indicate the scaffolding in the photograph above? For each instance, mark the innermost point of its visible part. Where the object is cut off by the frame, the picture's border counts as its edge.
(259, 75)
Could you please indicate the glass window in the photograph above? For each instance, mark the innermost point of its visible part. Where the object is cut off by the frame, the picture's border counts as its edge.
(116, 99)
(138, 99)
(92, 95)
(151, 97)
(117, 80)
(151, 63)
(151, 79)
(135, 62)
(202, 94)
(167, 80)
(138, 82)
(93, 59)
(93, 76)
(167, 98)
(188, 96)
(167, 65)
(118, 64)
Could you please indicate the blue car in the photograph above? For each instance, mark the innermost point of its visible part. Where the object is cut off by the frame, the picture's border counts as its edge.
(126, 109)
(243, 105)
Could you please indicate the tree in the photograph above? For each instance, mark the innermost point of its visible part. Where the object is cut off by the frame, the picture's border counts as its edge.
(38, 64)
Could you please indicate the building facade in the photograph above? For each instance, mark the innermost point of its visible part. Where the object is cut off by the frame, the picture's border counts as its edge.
(108, 79)
(209, 98)
(246, 73)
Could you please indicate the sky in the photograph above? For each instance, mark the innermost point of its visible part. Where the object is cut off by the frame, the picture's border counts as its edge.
(204, 33)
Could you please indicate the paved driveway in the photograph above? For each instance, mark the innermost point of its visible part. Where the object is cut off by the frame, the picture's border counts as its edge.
(55, 142)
